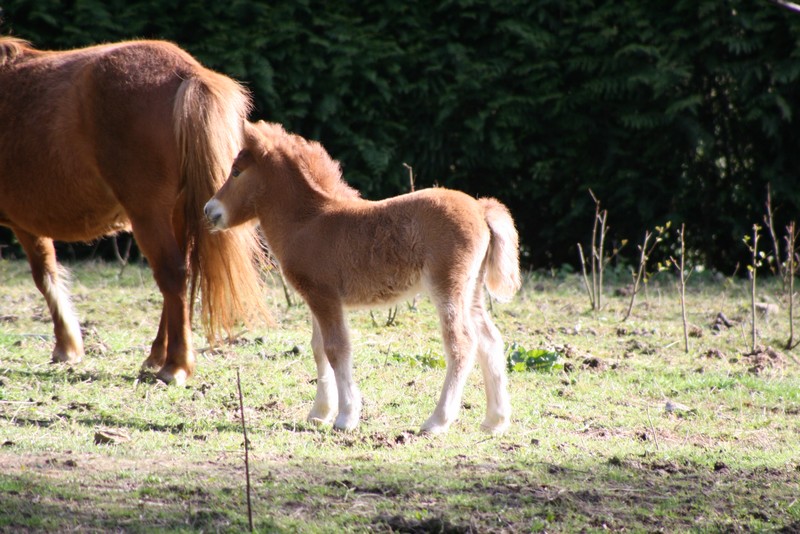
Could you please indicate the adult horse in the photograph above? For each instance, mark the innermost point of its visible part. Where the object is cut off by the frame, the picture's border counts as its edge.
(340, 251)
(128, 136)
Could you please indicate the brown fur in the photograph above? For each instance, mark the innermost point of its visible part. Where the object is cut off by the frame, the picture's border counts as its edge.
(341, 251)
(134, 135)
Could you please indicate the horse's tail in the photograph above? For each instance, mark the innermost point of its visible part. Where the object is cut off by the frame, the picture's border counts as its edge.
(502, 259)
(209, 114)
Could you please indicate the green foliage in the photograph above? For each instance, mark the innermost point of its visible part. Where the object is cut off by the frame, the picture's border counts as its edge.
(679, 111)
(519, 360)
(429, 360)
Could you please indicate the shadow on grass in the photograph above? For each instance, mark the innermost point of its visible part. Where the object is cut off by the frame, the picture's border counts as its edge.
(379, 496)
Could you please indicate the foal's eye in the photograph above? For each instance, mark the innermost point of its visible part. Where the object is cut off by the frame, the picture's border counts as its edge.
(235, 172)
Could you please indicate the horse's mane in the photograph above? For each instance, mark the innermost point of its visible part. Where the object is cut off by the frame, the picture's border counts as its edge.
(11, 48)
(313, 160)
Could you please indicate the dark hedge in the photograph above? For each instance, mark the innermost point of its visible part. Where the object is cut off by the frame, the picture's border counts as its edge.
(679, 110)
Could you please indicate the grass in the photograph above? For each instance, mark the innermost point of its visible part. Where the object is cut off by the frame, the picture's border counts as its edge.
(631, 434)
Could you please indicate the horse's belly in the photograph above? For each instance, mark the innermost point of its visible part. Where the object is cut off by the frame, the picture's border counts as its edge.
(67, 217)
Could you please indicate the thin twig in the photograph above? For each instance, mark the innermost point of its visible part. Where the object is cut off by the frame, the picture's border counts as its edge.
(122, 258)
(246, 451)
(769, 220)
(586, 276)
(410, 175)
(639, 273)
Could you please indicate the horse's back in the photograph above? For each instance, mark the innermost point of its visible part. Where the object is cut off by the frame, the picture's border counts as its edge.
(74, 121)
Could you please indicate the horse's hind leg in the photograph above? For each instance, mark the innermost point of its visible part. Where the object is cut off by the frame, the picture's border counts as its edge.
(326, 401)
(458, 335)
(157, 242)
(50, 280)
(158, 350)
(492, 362)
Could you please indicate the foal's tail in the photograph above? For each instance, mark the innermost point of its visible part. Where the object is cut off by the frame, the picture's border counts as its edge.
(209, 114)
(502, 259)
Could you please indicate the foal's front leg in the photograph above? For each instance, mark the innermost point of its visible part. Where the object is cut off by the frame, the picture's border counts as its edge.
(336, 346)
(326, 402)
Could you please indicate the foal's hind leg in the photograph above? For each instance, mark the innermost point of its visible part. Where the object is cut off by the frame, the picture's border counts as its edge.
(492, 362)
(326, 401)
(458, 335)
(46, 275)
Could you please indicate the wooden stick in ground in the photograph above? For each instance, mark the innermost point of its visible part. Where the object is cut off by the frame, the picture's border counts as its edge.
(751, 270)
(246, 451)
(682, 272)
(791, 268)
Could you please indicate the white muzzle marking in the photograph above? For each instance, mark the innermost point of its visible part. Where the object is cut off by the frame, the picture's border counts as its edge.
(215, 213)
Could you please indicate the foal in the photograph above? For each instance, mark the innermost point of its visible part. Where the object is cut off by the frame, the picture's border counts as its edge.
(340, 251)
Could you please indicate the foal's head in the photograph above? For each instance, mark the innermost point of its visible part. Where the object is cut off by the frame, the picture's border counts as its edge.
(274, 163)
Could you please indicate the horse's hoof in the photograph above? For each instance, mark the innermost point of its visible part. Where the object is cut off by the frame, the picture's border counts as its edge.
(156, 359)
(177, 377)
(151, 364)
(66, 356)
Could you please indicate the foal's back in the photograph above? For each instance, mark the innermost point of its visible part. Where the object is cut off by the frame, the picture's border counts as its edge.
(375, 252)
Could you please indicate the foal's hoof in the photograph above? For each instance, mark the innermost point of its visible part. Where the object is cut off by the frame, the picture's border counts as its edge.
(345, 424)
(494, 430)
(173, 376)
(495, 424)
(432, 426)
(319, 421)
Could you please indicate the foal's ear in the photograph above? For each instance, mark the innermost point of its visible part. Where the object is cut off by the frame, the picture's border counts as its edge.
(251, 133)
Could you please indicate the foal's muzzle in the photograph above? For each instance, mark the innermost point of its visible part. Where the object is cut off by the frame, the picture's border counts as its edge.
(214, 213)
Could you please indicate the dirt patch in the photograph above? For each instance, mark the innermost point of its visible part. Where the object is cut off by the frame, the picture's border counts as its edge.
(415, 526)
(764, 358)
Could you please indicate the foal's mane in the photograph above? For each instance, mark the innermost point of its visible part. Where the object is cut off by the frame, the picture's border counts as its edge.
(323, 172)
(11, 48)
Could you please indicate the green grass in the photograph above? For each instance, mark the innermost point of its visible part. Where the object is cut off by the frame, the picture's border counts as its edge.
(592, 446)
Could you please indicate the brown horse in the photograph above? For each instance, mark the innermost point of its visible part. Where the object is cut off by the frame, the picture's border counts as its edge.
(340, 251)
(128, 136)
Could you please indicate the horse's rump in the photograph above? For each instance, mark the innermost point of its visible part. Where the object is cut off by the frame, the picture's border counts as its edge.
(134, 131)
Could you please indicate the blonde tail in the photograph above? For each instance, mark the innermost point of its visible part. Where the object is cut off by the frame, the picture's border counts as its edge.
(502, 259)
(210, 110)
